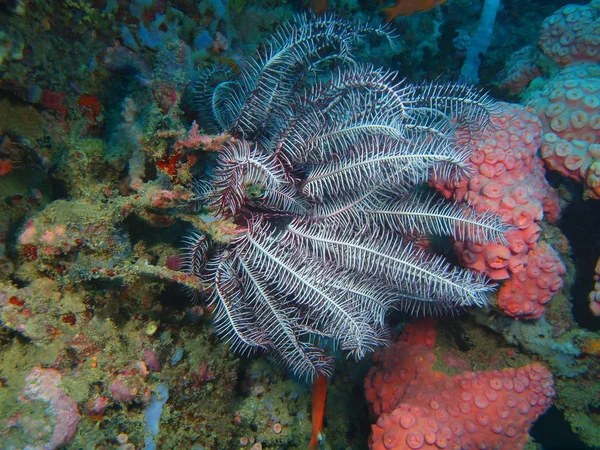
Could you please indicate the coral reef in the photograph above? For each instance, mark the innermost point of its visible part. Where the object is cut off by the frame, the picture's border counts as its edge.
(528, 290)
(521, 68)
(43, 426)
(594, 296)
(568, 36)
(106, 158)
(572, 34)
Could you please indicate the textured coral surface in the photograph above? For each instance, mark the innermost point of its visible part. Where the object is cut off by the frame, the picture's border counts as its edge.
(520, 69)
(419, 407)
(594, 295)
(569, 107)
(572, 34)
(509, 180)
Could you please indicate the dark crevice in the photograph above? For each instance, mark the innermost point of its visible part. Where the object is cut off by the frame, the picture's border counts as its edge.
(554, 433)
(580, 222)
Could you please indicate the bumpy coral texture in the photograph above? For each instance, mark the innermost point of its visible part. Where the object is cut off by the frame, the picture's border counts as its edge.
(420, 408)
(520, 69)
(508, 179)
(569, 107)
(527, 291)
(572, 34)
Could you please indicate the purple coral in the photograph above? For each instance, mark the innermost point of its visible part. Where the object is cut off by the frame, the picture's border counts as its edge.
(44, 385)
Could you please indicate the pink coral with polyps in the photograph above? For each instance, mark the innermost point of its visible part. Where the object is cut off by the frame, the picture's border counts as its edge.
(594, 295)
(420, 408)
(569, 108)
(572, 34)
(508, 179)
(528, 290)
(520, 69)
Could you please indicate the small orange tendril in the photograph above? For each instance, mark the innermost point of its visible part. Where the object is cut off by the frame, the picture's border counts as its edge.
(409, 7)
(319, 394)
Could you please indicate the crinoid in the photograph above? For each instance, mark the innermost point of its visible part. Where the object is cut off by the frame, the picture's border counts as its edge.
(322, 178)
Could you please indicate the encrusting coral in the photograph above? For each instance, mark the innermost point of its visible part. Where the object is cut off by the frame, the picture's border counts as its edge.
(419, 407)
(572, 34)
(569, 109)
(594, 295)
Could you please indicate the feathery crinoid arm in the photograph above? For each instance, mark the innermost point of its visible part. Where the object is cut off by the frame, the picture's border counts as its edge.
(242, 169)
(428, 215)
(469, 106)
(414, 304)
(208, 97)
(389, 258)
(366, 294)
(356, 103)
(194, 259)
(387, 161)
(295, 50)
(347, 207)
(195, 254)
(285, 200)
(279, 319)
(233, 317)
(345, 186)
(201, 190)
(306, 283)
(361, 88)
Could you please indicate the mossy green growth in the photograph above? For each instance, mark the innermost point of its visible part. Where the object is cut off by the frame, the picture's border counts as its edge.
(577, 395)
(16, 361)
(586, 425)
(201, 385)
(254, 191)
(83, 163)
(237, 6)
(276, 409)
